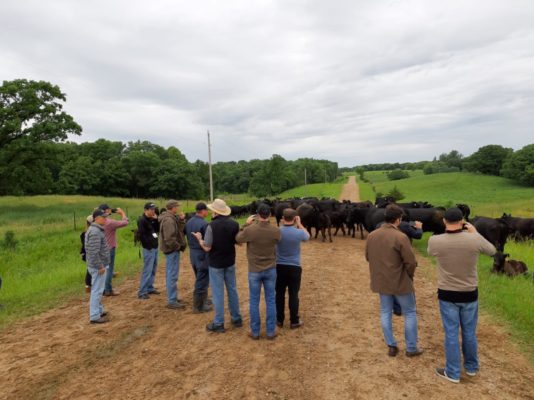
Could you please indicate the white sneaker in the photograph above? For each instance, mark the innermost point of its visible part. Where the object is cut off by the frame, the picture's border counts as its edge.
(441, 373)
(471, 373)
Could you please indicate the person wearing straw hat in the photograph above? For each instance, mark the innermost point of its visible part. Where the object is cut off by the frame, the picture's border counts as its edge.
(219, 241)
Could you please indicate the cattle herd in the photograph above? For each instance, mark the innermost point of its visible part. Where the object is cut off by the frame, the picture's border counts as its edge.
(325, 215)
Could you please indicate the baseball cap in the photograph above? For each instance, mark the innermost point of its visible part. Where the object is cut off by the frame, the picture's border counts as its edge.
(172, 204)
(453, 214)
(149, 205)
(99, 213)
(104, 206)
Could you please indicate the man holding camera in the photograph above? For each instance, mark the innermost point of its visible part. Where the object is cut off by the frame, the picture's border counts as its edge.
(457, 252)
(110, 231)
(261, 238)
(148, 229)
(171, 230)
(97, 257)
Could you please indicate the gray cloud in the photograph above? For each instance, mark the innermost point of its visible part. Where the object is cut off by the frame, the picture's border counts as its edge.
(352, 81)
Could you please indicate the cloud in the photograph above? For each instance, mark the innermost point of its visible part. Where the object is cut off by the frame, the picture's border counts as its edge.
(355, 82)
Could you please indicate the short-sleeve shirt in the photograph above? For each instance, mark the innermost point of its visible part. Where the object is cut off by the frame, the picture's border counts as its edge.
(288, 248)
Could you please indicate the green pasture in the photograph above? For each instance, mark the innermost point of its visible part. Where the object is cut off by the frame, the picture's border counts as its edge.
(319, 190)
(510, 301)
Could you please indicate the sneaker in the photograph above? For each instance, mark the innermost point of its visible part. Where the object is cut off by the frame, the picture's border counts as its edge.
(272, 337)
(253, 337)
(212, 327)
(155, 291)
(104, 314)
(296, 325)
(112, 293)
(175, 306)
(87, 289)
(100, 320)
(143, 296)
(393, 351)
(441, 373)
(414, 353)
(471, 373)
(238, 323)
(279, 324)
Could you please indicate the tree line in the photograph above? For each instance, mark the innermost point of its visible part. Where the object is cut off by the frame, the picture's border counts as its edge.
(36, 158)
(492, 159)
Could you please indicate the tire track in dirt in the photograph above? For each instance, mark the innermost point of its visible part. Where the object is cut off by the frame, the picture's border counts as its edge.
(149, 351)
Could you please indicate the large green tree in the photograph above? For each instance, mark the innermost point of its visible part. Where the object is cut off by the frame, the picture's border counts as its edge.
(487, 159)
(520, 165)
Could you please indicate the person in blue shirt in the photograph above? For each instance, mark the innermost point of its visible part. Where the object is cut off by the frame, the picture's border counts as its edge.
(288, 267)
(199, 259)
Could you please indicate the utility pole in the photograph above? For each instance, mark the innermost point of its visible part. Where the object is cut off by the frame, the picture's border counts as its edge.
(305, 178)
(325, 176)
(209, 163)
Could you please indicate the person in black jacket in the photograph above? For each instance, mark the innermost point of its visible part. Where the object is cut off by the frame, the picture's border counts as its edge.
(148, 229)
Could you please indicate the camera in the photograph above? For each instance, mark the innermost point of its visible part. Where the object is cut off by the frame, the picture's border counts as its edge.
(464, 227)
(113, 210)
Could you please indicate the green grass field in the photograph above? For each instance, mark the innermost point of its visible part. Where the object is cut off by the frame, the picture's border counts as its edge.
(318, 190)
(510, 301)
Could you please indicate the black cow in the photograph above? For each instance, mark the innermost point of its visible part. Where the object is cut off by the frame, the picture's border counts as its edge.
(508, 267)
(519, 228)
(495, 230)
(279, 210)
(356, 217)
(312, 217)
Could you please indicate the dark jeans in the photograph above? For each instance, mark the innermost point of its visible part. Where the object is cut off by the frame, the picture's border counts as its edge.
(199, 262)
(288, 276)
(88, 278)
(109, 276)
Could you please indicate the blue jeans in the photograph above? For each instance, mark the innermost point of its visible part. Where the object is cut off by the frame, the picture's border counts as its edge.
(455, 316)
(199, 262)
(407, 303)
(150, 264)
(96, 309)
(255, 281)
(219, 277)
(109, 275)
(172, 269)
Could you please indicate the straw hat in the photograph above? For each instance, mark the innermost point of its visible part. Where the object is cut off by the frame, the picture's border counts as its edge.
(219, 206)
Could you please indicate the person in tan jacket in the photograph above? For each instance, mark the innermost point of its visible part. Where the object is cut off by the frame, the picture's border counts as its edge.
(392, 266)
(171, 231)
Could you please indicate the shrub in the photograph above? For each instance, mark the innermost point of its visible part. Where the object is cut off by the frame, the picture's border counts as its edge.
(397, 174)
(9, 243)
(395, 193)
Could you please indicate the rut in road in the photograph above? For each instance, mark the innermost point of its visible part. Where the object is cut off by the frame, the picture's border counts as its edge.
(148, 351)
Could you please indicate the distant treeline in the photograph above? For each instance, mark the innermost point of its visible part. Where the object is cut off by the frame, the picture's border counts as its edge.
(492, 159)
(144, 169)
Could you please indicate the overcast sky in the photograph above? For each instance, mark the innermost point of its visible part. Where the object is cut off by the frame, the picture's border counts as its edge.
(351, 81)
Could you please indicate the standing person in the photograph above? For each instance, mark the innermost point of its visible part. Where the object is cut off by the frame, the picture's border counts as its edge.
(199, 258)
(97, 255)
(288, 267)
(171, 230)
(261, 238)
(457, 252)
(110, 230)
(219, 241)
(83, 254)
(148, 228)
(392, 266)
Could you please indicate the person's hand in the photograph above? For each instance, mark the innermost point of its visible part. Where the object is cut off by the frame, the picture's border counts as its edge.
(470, 228)
(250, 219)
(198, 235)
(101, 270)
(418, 225)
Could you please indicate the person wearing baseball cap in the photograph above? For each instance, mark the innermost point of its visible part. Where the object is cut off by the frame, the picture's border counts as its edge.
(97, 258)
(148, 231)
(457, 251)
(199, 258)
(261, 238)
(110, 230)
(171, 232)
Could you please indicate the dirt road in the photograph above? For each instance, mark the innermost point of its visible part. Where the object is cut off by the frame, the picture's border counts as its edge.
(150, 352)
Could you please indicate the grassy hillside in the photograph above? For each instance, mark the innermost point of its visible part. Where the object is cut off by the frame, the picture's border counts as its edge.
(319, 190)
(510, 301)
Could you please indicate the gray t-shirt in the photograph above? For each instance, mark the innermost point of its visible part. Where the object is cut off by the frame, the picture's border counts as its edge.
(208, 237)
